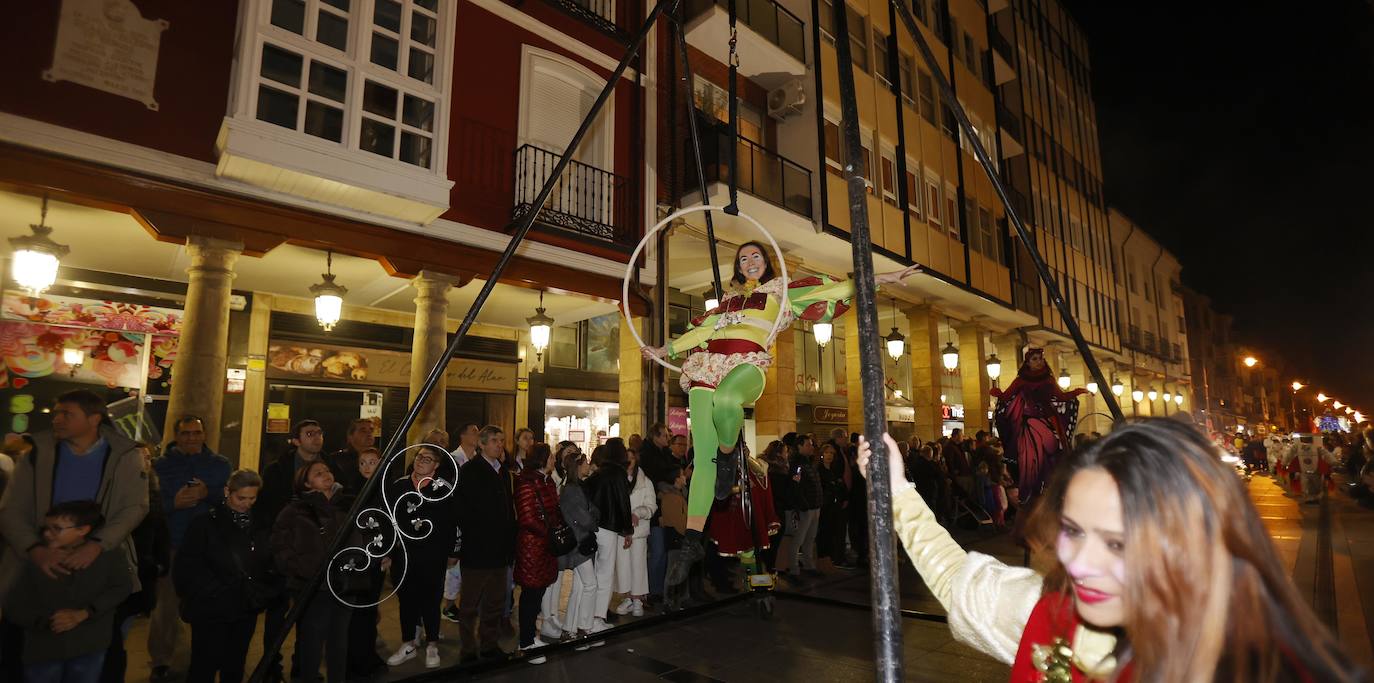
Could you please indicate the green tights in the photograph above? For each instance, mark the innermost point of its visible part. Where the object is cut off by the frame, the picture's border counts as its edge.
(718, 416)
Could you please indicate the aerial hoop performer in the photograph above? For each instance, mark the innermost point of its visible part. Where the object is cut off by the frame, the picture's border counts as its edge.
(1035, 419)
(727, 352)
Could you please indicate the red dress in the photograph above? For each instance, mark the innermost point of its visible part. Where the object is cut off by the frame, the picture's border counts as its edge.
(727, 526)
(535, 566)
(1053, 617)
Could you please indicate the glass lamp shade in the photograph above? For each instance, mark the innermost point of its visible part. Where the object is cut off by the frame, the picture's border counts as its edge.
(896, 344)
(1153, 394)
(73, 357)
(994, 366)
(1321, 398)
(1117, 387)
(1297, 385)
(1178, 399)
(1064, 380)
(34, 270)
(950, 356)
(541, 325)
(328, 310)
(942, 398)
(1168, 396)
(823, 332)
(328, 301)
(1092, 388)
(1137, 395)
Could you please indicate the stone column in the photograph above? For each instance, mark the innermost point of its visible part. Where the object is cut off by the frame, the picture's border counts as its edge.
(203, 350)
(854, 383)
(255, 384)
(973, 375)
(926, 370)
(775, 413)
(428, 344)
(632, 382)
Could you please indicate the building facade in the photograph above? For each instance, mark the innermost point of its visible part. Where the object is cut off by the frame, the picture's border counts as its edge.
(236, 151)
(1153, 367)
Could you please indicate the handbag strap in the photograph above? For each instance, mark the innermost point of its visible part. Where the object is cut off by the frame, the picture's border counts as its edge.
(540, 493)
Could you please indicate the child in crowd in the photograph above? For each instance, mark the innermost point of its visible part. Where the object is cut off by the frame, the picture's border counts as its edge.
(672, 505)
(68, 616)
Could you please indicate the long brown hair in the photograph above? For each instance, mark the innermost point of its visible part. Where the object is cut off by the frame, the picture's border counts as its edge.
(1206, 595)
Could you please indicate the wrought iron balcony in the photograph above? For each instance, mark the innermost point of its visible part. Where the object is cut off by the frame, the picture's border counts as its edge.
(599, 14)
(762, 172)
(766, 18)
(586, 201)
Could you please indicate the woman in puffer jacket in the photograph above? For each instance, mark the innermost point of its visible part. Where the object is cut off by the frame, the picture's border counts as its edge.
(536, 512)
(631, 559)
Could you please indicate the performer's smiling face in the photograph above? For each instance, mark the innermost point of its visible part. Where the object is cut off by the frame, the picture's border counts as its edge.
(1091, 546)
(752, 262)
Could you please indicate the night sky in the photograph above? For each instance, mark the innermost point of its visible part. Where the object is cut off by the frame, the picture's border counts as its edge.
(1241, 135)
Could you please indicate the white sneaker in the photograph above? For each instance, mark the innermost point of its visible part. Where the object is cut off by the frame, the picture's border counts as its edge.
(432, 656)
(598, 625)
(624, 607)
(537, 659)
(405, 653)
(637, 608)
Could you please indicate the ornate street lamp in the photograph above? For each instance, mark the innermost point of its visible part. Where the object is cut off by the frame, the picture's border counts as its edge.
(73, 359)
(1250, 361)
(1152, 394)
(994, 366)
(823, 332)
(1091, 387)
(1137, 395)
(896, 341)
(35, 258)
(1178, 399)
(1117, 387)
(1168, 396)
(328, 296)
(1296, 386)
(1064, 380)
(541, 325)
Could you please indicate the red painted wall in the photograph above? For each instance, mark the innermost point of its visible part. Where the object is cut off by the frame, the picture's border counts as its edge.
(486, 110)
(192, 88)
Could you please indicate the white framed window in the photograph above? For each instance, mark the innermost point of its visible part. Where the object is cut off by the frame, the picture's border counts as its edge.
(366, 74)
(834, 150)
(888, 173)
(934, 203)
(952, 211)
(914, 192)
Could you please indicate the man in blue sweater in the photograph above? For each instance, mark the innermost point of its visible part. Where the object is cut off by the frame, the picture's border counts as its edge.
(193, 479)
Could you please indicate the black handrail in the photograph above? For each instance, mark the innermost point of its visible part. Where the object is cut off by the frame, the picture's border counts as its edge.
(768, 19)
(599, 14)
(762, 172)
(587, 200)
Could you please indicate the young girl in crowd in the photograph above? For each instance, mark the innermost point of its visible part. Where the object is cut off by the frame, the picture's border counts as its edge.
(631, 558)
(301, 541)
(1162, 571)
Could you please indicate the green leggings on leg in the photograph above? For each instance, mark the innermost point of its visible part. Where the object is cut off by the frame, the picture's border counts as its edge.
(718, 416)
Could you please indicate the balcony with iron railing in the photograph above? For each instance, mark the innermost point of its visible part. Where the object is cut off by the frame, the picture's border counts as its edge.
(774, 43)
(762, 172)
(585, 202)
(599, 14)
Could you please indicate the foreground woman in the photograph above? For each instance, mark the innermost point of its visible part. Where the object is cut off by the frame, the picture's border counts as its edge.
(1163, 572)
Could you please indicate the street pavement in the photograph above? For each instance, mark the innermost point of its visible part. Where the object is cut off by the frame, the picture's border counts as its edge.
(1328, 549)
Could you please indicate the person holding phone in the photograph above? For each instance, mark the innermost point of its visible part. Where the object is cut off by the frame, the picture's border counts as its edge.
(193, 479)
(803, 510)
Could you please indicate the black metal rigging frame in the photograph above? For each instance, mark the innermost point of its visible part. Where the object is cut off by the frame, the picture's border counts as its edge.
(887, 611)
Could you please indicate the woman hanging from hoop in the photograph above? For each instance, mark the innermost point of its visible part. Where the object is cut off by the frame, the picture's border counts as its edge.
(727, 352)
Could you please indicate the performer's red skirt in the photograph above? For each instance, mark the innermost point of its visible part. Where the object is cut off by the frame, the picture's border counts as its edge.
(727, 526)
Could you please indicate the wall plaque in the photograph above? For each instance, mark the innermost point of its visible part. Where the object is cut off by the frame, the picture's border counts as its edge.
(109, 46)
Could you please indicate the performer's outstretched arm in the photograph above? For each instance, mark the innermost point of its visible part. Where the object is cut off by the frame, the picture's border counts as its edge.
(988, 602)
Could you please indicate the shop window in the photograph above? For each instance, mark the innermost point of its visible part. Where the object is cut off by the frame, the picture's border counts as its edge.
(564, 349)
(591, 345)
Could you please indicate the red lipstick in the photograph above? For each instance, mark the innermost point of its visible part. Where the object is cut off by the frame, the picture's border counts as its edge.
(1090, 596)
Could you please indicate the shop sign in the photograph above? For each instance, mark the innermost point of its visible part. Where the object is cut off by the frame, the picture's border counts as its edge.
(901, 414)
(829, 415)
(70, 311)
(952, 412)
(109, 46)
(235, 379)
(373, 367)
(677, 421)
(278, 418)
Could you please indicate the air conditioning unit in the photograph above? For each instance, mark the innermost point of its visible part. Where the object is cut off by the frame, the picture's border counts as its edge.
(786, 100)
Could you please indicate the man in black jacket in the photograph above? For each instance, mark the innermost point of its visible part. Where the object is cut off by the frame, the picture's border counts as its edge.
(803, 506)
(486, 517)
(656, 461)
(344, 462)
